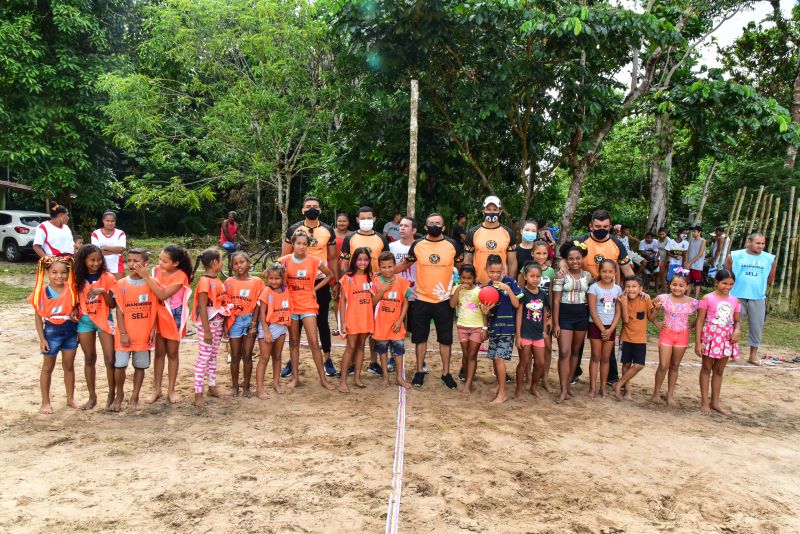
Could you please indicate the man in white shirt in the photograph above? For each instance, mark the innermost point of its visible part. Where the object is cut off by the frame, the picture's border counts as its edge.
(392, 228)
(406, 230)
(53, 237)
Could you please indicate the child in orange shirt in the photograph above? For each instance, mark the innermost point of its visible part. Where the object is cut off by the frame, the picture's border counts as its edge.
(56, 324)
(243, 291)
(636, 310)
(211, 306)
(137, 308)
(301, 273)
(93, 284)
(275, 314)
(390, 299)
(355, 311)
(170, 282)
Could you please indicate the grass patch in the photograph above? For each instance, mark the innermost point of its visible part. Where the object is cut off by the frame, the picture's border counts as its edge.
(13, 294)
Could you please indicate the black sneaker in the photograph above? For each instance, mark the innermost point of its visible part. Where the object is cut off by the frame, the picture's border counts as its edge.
(448, 381)
(462, 375)
(509, 378)
(375, 369)
(419, 379)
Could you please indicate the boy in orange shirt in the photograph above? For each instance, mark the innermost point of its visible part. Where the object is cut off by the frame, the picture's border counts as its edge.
(390, 298)
(137, 312)
(636, 311)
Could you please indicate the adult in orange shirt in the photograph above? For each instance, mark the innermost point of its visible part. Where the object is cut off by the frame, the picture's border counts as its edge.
(301, 279)
(134, 337)
(322, 245)
(435, 256)
(491, 237)
(390, 298)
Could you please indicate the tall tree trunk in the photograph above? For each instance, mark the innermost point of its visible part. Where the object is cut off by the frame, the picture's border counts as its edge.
(411, 207)
(661, 171)
(704, 197)
(791, 150)
(284, 207)
(579, 174)
(258, 208)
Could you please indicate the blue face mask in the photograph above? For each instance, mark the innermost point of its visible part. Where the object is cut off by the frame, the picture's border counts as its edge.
(529, 237)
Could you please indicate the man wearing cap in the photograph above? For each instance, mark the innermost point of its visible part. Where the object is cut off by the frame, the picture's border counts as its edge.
(490, 237)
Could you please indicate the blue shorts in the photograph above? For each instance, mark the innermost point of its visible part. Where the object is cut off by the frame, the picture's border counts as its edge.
(398, 347)
(230, 247)
(241, 326)
(301, 316)
(275, 330)
(86, 325)
(60, 337)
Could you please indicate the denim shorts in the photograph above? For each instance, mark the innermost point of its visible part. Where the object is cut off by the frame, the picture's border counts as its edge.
(60, 337)
(398, 347)
(241, 326)
(177, 313)
(301, 316)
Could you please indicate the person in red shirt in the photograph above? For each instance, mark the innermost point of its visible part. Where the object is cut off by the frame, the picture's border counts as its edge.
(390, 298)
(93, 284)
(229, 234)
(301, 279)
(275, 316)
(355, 313)
(55, 304)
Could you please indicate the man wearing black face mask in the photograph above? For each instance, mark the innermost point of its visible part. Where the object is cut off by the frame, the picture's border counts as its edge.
(490, 237)
(322, 245)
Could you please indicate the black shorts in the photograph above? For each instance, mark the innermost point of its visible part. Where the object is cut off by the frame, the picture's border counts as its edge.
(442, 315)
(573, 317)
(633, 352)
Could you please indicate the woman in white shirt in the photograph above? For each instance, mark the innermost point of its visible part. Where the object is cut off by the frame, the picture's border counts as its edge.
(112, 242)
(53, 237)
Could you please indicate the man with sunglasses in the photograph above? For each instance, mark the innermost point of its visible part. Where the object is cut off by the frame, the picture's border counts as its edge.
(322, 245)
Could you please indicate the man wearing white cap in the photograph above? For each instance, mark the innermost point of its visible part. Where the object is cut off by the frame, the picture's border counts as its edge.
(490, 237)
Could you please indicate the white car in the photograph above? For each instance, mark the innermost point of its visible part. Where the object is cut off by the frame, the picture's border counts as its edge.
(17, 230)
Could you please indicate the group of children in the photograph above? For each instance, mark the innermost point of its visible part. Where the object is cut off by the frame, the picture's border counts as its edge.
(78, 300)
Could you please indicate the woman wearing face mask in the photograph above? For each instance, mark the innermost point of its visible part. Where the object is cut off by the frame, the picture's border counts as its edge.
(525, 249)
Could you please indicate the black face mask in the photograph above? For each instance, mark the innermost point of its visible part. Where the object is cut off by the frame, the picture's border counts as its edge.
(435, 231)
(491, 217)
(600, 234)
(312, 214)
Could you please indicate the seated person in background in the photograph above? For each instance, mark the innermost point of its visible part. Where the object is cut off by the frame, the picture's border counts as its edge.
(649, 251)
(229, 234)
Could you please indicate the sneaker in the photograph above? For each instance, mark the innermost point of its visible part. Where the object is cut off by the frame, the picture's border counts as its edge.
(351, 370)
(330, 370)
(462, 375)
(375, 369)
(425, 368)
(287, 370)
(419, 379)
(448, 381)
(611, 383)
(509, 378)
(574, 381)
(390, 365)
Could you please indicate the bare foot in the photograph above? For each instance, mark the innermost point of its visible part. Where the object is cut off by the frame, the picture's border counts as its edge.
(213, 392)
(546, 386)
(498, 400)
(518, 395)
(46, 409)
(73, 404)
(234, 391)
(199, 401)
(261, 394)
(562, 397)
(671, 402)
(326, 384)
(535, 392)
(292, 384)
(571, 392)
(602, 393)
(134, 405)
(628, 395)
(722, 410)
(278, 388)
(173, 397)
(656, 399)
(617, 391)
(590, 394)
(705, 409)
(89, 404)
(109, 400)
(246, 393)
(344, 389)
(466, 391)
(154, 397)
(359, 385)
(402, 383)
(116, 405)
(385, 381)
(754, 362)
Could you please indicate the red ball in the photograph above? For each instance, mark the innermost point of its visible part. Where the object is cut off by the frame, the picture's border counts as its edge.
(489, 295)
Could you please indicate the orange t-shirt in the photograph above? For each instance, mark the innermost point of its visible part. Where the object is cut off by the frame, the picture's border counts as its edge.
(358, 304)
(244, 294)
(612, 249)
(435, 261)
(56, 310)
(138, 305)
(217, 298)
(97, 308)
(389, 308)
(374, 242)
(634, 330)
(279, 306)
(482, 242)
(166, 322)
(300, 280)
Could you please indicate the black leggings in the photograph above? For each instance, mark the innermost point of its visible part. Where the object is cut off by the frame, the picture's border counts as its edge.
(324, 302)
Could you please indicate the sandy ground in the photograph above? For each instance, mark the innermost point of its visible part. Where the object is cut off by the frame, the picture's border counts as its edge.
(317, 461)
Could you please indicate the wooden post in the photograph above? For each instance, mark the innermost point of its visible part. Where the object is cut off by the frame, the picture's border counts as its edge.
(734, 222)
(789, 220)
(774, 224)
(766, 211)
(790, 259)
(755, 212)
(412, 156)
(778, 251)
(699, 217)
